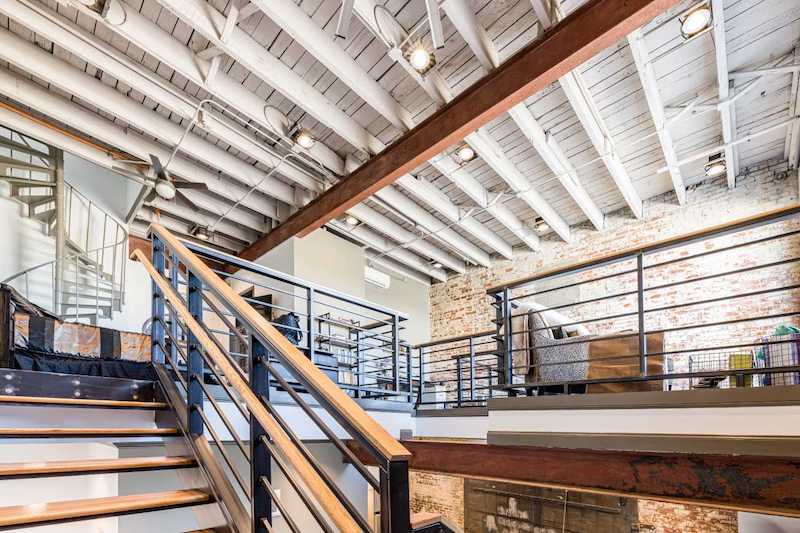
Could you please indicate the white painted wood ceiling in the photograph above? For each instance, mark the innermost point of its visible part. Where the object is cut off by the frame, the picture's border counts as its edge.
(758, 33)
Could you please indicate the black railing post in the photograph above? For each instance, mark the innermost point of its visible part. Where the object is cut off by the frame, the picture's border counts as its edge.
(396, 352)
(157, 324)
(173, 321)
(260, 459)
(459, 384)
(312, 354)
(395, 506)
(472, 368)
(509, 340)
(640, 312)
(359, 365)
(195, 363)
(410, 397)
(421, 375)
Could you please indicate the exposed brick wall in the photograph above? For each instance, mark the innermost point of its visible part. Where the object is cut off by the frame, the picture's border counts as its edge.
(438, 493)
(677, 518)
(460, 306)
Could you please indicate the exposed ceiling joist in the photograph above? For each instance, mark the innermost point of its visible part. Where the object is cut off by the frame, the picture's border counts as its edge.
(590, 29)
(29, 57)
(727, 110)
(647, 75)
(271, 70)
(467, 24)
(589, 116)
(131, 76)
(308, 34)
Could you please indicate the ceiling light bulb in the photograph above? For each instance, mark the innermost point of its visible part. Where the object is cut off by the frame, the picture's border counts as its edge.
(351, 221)
(437, 265)
(202, 233)
(542, 228)
(715, 166)
(304, 138)
(465, 153)
(695, 21)
(165, 189)
(419, 58)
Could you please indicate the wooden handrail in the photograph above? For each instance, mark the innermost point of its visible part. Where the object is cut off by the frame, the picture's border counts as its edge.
(322, 493)
(726, 227)
(368, 428)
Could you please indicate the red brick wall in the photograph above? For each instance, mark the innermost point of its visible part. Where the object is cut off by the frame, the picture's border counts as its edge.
(676, 518)
(460, 306)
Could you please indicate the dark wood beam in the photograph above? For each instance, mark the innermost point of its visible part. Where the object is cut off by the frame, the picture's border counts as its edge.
(748, 483)
(586, 32)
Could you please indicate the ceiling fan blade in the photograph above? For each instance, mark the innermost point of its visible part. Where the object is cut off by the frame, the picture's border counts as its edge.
(158, 168)
(139, 178)
(186, 199)
(190, 185)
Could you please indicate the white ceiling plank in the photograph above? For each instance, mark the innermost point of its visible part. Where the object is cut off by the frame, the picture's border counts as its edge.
(273, 71)
(243, 141)
(308, 34)
(467, 24)
(727, 110)
(647, 75)
(589, 116)
(63, 110)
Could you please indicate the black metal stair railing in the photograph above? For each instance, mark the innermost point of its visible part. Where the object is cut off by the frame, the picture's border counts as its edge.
(190, 304)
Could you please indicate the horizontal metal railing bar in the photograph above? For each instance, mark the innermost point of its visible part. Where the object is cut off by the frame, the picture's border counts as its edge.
(260, 269)
(226, 421)
(245, 486)
(228, 275)
(672, 242)
(281, 507)
(210, 366)
(657, 377)
(323, 474)
(309, 411)
(721, 350)
(225, 319)
(647, 267)
(722, 249)
(289, 475)
(723, 298)
(454, 339)
(722, 274)
(574, 284)
(461, 346)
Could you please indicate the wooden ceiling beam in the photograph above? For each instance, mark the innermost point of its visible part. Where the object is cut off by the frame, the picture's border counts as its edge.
(589, 30)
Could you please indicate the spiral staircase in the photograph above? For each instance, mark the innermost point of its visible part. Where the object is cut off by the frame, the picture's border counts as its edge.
(85, 280)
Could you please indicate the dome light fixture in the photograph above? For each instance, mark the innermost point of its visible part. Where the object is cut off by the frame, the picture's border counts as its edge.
(716, 165)
(437, 265)
(420, 58)
(165, 189)
(465, 154)
(542, 228)
(201, 232)
(303, 138)
(696, 21)
(351, 221)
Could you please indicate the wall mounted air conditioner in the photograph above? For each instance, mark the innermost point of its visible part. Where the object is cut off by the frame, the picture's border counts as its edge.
(377, 278)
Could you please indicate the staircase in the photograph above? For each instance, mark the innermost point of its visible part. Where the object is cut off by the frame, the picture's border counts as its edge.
(233, 448)
(37, 409)
(85, 282)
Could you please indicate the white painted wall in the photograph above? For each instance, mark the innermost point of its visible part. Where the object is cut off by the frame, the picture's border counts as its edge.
(107, 189)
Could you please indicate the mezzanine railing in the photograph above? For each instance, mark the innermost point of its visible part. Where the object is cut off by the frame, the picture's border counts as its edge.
(714, 308)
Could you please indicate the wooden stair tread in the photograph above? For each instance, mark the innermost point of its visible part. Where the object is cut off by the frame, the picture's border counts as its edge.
(18, 515)
(44, 400)
(88, 466)
(85, 432)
